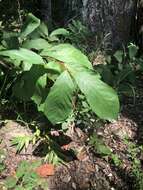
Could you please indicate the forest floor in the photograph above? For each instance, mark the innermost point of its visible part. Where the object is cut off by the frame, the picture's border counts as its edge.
(119, 168)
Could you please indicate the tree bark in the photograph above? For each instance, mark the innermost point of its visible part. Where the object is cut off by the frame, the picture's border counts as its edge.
(110, 20)
(140, 25)
(46, 11)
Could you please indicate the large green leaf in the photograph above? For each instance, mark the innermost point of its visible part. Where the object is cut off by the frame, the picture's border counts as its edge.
(30, 25)
(55, 66)
(58, 104)
(60, 31)
(38, 44)
(27, 57)
(102, 99)
(40, 92)
(68, 54)
(25, 86)
(41, 31)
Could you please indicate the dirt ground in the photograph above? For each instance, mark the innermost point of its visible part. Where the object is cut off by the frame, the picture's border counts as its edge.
(88, 170)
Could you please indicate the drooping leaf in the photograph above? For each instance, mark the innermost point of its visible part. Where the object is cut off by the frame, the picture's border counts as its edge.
(27, 57)
(119, 56)
(30, 25)
(102, 99)
(26, 85)
(38, 44)
(68, 54)
(58, 104)
(43, 29)
(40, 92)
(60, 31)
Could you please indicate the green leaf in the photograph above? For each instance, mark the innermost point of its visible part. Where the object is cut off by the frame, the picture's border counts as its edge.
(21, 141)
(43, 30)
(30, 25)
(19, 188)
(27, 57)
(10, 40)
(99, 145)
(103, 149)
(2, 167)
(68, 54)
(10, 182)
(133, 49)
(55, 66)
(38, 44)
(119, 56)
(123, 75)
(60, 31)
(40, 92)
(58, 104)
(23, 167)
(26, 85)
(102, 99)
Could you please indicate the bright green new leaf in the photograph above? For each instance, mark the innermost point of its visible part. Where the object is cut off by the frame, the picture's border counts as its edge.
(30, 25)
(102, 99)
(60, 31)
(68, 54)
(58, 104)
(24, 56)
(38, 44)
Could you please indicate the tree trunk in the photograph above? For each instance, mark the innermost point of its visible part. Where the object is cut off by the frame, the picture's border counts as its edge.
(140, 25)
(46, 11)
(65, 10)
(111, 20)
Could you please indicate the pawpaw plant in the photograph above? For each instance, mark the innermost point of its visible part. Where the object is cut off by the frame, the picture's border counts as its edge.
(40, 58)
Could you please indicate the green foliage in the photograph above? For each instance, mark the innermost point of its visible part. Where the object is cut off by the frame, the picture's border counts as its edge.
(21, 142)
(51, 73)
(60, 99)
(99, 145)
(121, 70)
(94, 89)
(25, 178)
(102, 149)
(133, 153)
(30, 25)
(59, 31)
(79, 35)
(116, 160)
(27, 57)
